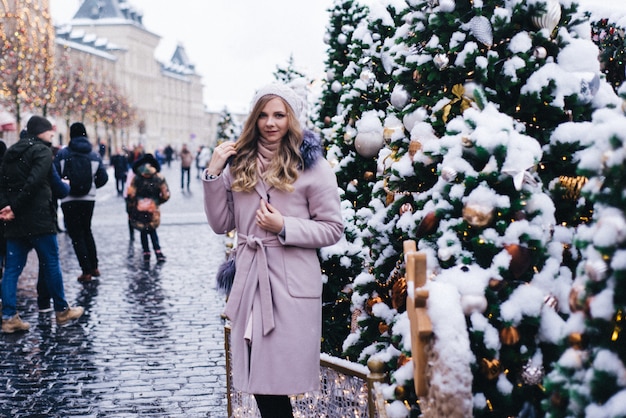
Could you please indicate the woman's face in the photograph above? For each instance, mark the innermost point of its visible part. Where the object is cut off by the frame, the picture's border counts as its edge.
(273, 121)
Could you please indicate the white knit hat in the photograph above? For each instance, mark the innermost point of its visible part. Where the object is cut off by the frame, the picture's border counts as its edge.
(285, 92)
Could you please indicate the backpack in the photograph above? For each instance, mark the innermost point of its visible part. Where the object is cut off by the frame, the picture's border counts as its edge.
(77, 170)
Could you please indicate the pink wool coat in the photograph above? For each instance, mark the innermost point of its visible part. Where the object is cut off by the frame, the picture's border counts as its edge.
(275, 303)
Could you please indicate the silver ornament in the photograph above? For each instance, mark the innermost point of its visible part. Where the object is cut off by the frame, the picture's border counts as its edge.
(448, 174)
(441, 61)
(596, 270)
(480, 27)
(531, 374)
(540, 52)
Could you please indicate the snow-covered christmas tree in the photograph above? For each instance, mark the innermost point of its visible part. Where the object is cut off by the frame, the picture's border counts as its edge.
(470, 169)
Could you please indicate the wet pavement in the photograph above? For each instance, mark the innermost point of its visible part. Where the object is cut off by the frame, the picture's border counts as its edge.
(151, 341)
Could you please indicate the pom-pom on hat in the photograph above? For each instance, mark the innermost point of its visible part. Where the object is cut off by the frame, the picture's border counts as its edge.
(37, 125)
(286, 93)
(77, 129)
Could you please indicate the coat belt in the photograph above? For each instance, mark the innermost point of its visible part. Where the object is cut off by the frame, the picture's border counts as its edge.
(258, 245)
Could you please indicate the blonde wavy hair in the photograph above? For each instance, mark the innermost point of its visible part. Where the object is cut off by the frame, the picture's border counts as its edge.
(283, 170)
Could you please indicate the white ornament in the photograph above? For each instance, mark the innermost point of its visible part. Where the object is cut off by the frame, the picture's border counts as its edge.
(447, 5)
(596, 270)
(480, 27)
(399, 97)
(367, 144)
(449, 174)
(368, 77)
(550, 18)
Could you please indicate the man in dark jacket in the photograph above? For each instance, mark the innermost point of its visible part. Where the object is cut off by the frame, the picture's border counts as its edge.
(26, 205)
(78, 210)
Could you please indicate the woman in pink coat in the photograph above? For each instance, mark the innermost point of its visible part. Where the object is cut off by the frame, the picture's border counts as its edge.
(281, 195)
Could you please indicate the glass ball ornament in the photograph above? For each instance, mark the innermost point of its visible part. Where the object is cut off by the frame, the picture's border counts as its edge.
(441, 61)
(540, 52)
(367, 144)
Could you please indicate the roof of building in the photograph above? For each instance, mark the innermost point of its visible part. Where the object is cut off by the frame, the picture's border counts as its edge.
(109, 9)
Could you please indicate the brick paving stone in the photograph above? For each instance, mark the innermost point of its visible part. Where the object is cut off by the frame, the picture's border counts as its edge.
(150, 343)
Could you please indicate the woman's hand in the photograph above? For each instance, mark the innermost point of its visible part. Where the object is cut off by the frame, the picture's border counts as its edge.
(268, 218)
(221, 154)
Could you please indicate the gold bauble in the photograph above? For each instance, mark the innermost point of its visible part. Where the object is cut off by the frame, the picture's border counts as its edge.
(576, 303)
(520, 259)
(575, 339)
(414, 146)
(490, 368)
(478, 216)
(399, 392)
(369, 176)
(509, 335)
(371, 302)
(383, 327)
(427, 225)
(398, 295)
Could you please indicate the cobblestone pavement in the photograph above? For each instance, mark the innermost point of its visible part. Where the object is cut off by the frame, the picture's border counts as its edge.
(151, 342)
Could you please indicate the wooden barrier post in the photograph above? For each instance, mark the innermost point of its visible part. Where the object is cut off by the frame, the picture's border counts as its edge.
(421, 326)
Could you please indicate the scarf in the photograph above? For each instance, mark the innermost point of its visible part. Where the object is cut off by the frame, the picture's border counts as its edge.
(265, 153)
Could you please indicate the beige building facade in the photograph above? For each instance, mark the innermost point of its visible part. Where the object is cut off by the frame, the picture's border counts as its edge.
(167, 96)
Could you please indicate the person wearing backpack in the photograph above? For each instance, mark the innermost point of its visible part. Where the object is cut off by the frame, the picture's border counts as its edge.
(85, 171)
(30, 221)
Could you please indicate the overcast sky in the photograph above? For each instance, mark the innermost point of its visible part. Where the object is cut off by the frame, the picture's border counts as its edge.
(235, 44)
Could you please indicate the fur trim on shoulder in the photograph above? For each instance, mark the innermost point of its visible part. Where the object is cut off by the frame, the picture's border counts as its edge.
(311, 148)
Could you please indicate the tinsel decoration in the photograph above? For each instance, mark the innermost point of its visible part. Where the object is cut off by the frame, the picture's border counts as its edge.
(572, 186)
(354, 320)
(490, 368)
(480, 27)
(550, 18)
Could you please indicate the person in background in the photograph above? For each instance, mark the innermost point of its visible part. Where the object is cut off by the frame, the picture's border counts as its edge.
(78, 210)
(119, 161)
(60, 189)
(147, 191)
(186, 159)
(202, 159)
(275, 188)
(169, 155)
(26, 208)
